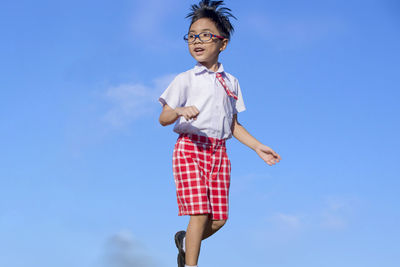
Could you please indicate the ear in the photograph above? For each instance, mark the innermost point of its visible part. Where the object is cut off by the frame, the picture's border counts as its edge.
(224, 44)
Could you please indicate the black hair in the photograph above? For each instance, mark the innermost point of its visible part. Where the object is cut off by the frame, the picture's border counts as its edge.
(212, 10)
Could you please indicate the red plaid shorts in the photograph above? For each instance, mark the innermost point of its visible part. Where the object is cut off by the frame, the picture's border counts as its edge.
(202, 176)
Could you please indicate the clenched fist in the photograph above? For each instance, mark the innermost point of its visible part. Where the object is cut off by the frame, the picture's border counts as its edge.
(190, 112)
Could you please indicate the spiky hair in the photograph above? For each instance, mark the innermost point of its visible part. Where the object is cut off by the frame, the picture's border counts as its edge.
(213, 11)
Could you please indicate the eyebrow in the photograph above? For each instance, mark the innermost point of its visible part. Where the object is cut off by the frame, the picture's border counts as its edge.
(202, 30)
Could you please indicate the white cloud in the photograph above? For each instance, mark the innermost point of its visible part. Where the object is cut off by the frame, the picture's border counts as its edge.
(249, 183)
(132, 101)
(161, 83)
(113, 110)
(333, 221)
(149, 23)
(149, 16)
(282, 228)
(290, 33)
(286, 220)
(337, 212)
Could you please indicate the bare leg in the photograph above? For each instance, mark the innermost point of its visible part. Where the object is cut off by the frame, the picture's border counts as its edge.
(194, 233)
(212, 227)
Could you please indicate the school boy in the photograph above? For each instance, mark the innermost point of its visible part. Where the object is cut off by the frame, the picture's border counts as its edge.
(204, 102)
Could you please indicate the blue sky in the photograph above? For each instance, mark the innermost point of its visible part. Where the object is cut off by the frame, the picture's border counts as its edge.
(86, 178)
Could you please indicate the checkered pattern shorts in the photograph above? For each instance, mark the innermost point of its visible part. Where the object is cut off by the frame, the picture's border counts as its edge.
(202, 176)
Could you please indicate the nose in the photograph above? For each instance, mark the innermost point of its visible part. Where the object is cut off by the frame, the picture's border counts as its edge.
(197, 39)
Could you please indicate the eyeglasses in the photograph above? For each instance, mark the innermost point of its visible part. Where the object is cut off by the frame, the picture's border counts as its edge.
(203, 37)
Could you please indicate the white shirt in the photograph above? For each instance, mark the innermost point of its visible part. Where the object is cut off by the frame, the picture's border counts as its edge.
(199, 87)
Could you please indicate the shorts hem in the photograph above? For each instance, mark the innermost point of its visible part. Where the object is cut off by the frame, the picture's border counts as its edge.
(212, 216)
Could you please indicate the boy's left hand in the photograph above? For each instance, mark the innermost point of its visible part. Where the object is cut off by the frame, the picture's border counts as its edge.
(267, 154)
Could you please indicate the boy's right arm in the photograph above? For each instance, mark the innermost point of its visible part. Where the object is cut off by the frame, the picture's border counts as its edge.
(170, 115)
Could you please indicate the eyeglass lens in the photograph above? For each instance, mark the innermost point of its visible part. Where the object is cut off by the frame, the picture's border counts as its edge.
(203, 37)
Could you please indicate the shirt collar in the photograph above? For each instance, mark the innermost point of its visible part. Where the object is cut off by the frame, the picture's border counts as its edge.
(199, 68)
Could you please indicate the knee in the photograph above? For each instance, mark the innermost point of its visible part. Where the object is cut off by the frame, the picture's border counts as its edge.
(219, 223)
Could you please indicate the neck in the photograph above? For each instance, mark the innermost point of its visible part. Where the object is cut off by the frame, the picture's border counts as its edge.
(211, 66)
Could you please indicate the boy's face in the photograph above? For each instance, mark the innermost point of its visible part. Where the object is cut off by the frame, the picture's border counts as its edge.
(206, 52)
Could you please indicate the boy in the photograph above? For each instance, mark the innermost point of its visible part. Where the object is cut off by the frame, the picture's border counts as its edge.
(204, 102)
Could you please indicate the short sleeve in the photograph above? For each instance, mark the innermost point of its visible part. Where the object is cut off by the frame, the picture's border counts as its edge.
(239, 105)
(174, 95)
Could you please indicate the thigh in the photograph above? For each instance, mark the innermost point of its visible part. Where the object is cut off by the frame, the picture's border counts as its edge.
(219, 185)
(189, 179)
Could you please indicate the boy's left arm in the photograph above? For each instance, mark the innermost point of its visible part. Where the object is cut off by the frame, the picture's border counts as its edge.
(265, 152)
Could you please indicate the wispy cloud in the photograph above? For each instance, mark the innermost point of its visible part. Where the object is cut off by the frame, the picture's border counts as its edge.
(123, 250)
(131, 101)
(128, 102)
(113, 109)
(280, 228)
(291, 33)
(149, 22)
(337, 212)
(149, 16)
(249, 184)
(287, 221)
(333, 221)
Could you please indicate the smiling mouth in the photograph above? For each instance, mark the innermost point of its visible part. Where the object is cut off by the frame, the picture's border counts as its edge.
(198, 50)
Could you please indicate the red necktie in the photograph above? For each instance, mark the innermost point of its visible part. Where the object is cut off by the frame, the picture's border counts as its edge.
(221, 80)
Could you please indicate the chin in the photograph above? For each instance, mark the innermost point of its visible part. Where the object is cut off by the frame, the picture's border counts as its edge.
(203, 62)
